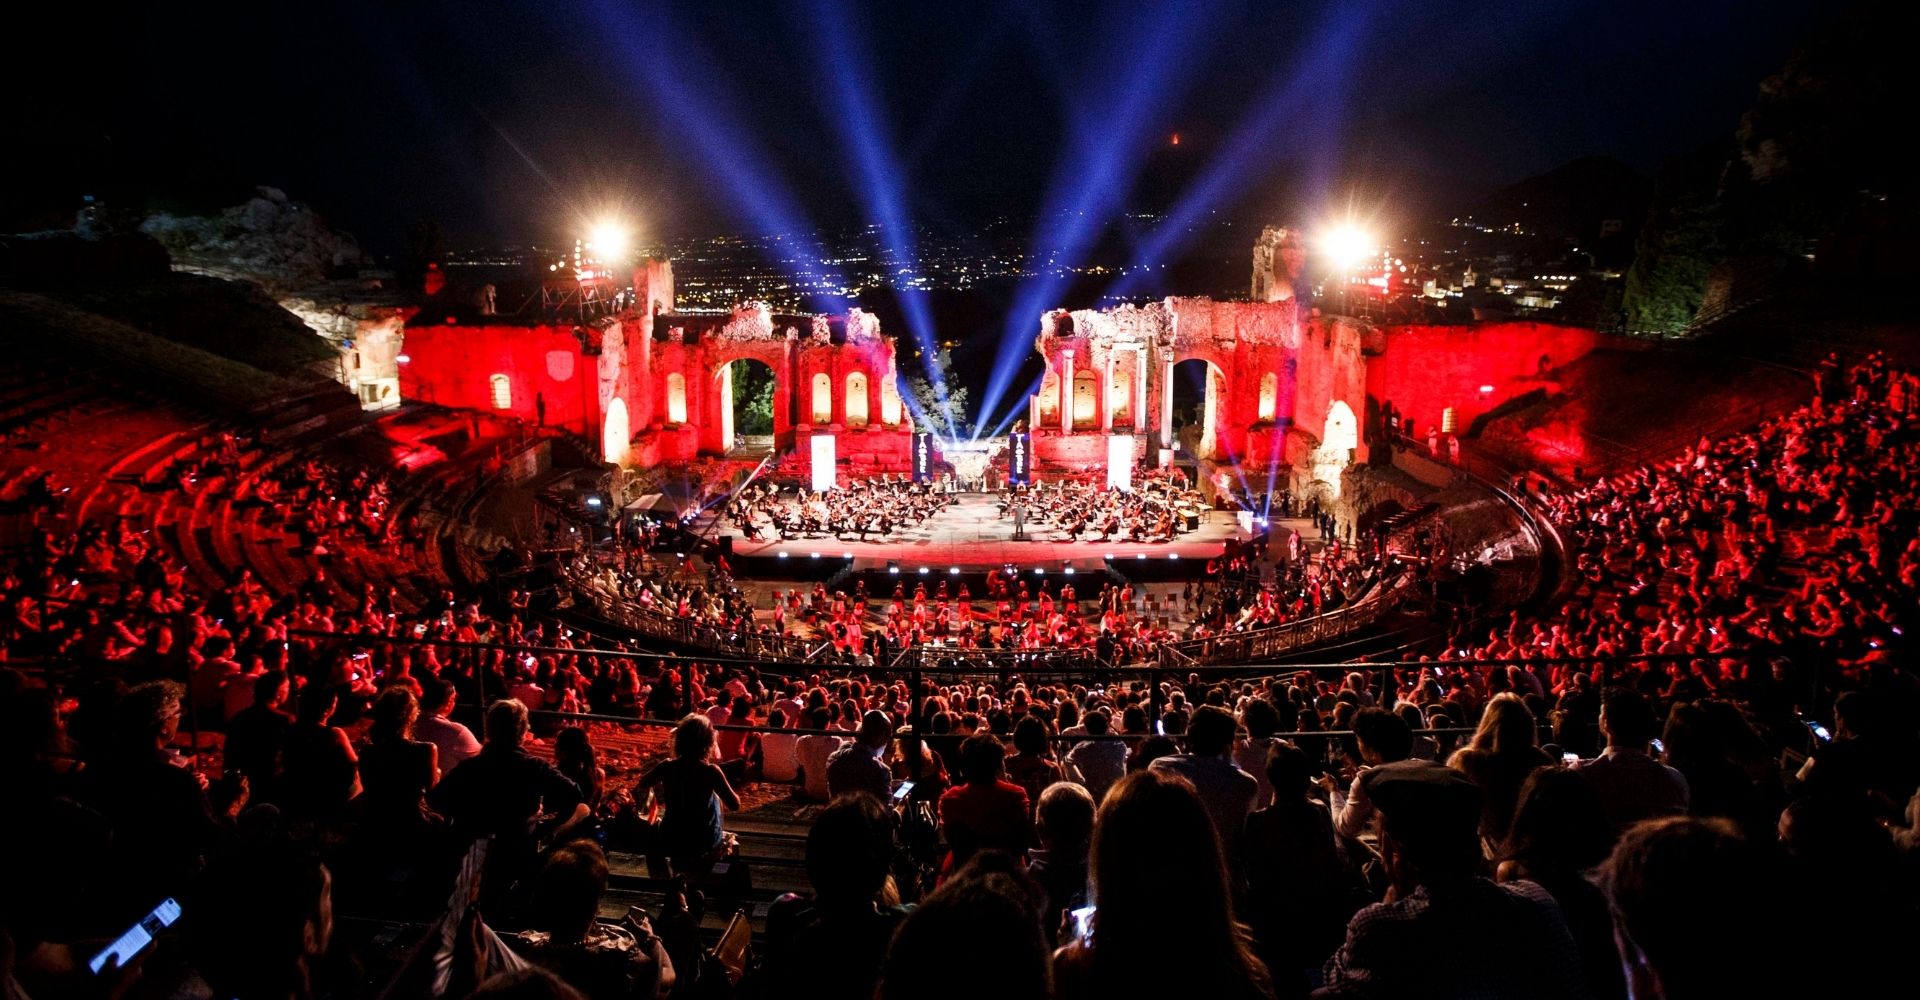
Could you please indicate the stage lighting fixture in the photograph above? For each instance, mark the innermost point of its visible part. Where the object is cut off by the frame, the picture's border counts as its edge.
(846, 555)
(1068, 571)
(954, 570)
(813, 555)
(401, 359)
(1039, 571)
(893, 568)
(1173, 555)
(924, 570)
(1347, 246)
(782, 555)
(1139, 555)
(608, 241)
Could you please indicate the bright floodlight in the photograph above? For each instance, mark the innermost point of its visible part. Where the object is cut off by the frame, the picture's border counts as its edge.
(609, 241)
(1347, 246)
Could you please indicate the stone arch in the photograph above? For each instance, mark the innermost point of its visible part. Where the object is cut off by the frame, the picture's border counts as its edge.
(856, 402)
(820, 410)
(1339, 438)
(615, 434)
(500, 391)
(676, 399)
(1204, 379)
(1269, 396)
(1086, 399)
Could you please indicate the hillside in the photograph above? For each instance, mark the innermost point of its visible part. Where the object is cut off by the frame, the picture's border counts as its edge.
(35, 326)
(235, 320)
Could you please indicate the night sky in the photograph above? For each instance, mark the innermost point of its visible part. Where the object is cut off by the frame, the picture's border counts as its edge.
(508, 122)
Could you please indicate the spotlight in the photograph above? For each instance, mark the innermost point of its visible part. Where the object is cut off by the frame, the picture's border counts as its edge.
(609, 241)
(1347, 246)
(813, 555)
(893, 569)
(924, 571)
(782, 555)
(401, 359)
(955, 571)
(846, 555)
(1068, 571)
(1139, 555)
(1039, 571)
(1173, 555)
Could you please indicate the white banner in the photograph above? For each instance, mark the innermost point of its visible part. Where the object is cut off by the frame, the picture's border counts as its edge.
(822, 462)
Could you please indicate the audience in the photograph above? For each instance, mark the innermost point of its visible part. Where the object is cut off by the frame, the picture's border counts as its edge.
(1743, 849)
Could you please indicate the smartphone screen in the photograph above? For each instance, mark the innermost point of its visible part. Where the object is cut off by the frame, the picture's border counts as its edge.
(1659, 747)
(137, 937)
(900, 794)
(1082, 922)
(1569, 759)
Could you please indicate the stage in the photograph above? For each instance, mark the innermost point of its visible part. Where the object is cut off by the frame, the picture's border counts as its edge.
(972, 536)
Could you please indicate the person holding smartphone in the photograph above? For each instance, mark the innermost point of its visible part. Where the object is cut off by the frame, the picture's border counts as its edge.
(138, 787)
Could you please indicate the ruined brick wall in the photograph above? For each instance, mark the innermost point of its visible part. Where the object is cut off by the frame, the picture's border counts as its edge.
(1426, 369)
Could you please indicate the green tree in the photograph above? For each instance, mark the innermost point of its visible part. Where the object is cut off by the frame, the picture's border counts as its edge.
(1676, 250)
(752, 397)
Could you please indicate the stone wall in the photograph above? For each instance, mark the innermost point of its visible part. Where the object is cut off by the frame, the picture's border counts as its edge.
(1425, 369)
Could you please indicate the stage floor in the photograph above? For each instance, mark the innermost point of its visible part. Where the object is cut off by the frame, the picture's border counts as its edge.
(971, 534)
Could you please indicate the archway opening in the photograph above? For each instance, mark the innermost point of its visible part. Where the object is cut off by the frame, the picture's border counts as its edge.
(676, 399)
(747, 391)
(822, 408)
(1086, 390)
(856, 405)
(1339, 437)
(615, 435)
(1198, 387)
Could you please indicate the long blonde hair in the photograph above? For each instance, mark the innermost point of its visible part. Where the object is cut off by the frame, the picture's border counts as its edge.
(1507, 726)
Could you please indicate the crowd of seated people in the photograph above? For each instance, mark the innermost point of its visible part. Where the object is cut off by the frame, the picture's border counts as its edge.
(1388, 863)
(874, 507)
(1715, 822)
(1801, 536)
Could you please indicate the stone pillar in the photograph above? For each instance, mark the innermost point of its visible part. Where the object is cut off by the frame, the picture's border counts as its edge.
(1139, 389)
(1106, 395)
(1166, 400)
(1066, 392)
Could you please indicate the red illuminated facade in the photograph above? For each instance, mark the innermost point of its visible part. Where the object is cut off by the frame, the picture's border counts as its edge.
(652, 386)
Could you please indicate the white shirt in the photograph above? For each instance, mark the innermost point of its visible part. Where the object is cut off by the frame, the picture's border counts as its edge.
(813, 752)
(455, 741)
(780, 756)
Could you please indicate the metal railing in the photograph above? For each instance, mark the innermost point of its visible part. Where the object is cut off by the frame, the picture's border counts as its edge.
(1292, 637)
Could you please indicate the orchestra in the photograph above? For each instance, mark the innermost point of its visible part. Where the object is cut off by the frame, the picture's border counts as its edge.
(1157, 512)
(870, 508)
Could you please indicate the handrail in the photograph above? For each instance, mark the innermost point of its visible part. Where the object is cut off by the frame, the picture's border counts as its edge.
(1288, 637)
